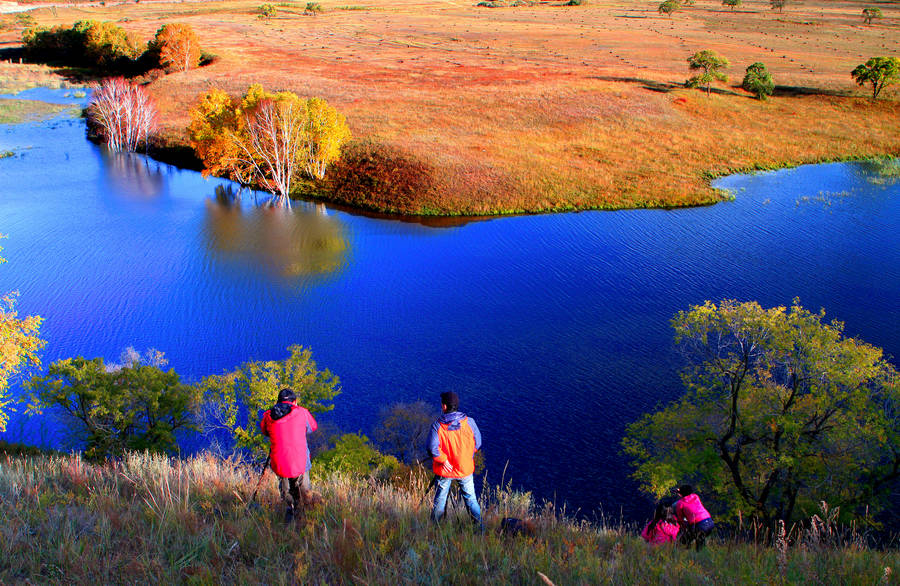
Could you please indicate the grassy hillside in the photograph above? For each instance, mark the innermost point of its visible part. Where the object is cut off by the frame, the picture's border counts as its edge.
(161, 520)
(542, 107)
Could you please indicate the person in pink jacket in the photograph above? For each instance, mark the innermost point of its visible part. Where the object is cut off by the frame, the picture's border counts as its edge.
(695, 521)
(660, 529)
(286, 425)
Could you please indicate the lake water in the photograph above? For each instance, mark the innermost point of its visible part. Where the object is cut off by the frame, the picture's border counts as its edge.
(553, 329)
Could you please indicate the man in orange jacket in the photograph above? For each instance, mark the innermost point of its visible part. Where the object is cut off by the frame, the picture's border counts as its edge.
(453, 441)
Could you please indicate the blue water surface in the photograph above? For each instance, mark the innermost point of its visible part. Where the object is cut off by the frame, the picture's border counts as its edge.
(554, 329)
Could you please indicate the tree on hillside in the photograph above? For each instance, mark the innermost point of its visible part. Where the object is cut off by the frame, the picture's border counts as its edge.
(235, 401)
(669, 7)
(778, 5)
(268, 139)
(403, 429)
(781, 412)
(731, 3)
(710, 63)
(135, 405)
(176, 47)
(758, 81)
(122, 114)
(879, 71)
(19, 347)
(871, 13)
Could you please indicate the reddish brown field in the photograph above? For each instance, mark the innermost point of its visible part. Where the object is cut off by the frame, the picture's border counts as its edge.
(549, 107)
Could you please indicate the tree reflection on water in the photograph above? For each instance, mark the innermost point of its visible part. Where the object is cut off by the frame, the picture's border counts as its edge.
(133, 175)
(298, 241)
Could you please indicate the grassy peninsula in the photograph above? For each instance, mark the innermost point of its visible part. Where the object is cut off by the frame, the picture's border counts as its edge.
(459, 109)
(164, 520)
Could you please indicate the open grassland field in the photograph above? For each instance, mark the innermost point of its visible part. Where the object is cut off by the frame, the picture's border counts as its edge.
(544, 107)
(156, 520)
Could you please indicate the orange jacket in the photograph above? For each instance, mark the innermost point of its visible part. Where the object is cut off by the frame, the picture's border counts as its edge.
(454, 438)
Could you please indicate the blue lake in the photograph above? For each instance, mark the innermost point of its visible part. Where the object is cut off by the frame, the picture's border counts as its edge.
(553, 329)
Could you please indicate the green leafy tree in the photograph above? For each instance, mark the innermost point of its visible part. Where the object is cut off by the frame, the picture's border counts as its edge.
(403, 429)
(778, 5)
(353, 454)
(871, 13)
(135, 405)
(879, 71)
(758, 81)
(19, 347)
(731, 3)
(781, 412)
(669, 7)
(710, 64)
(267, 11)
(235, 401)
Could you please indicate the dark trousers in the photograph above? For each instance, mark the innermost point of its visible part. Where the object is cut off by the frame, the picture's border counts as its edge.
(293, 489)
(696, 533)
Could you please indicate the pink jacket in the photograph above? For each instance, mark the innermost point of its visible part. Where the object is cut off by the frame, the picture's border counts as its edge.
(690, 510)
(663, 533)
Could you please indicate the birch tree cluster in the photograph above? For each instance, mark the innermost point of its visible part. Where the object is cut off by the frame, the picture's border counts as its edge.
(122, 114)
(266, 139)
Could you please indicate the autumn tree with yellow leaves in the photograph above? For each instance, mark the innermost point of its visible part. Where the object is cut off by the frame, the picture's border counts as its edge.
(266, 139)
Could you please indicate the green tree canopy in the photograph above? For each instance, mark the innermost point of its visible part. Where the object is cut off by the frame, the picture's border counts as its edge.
(669, 7)
(871, 13)
(19, 347)
(353, 454)
(130, 406)
(781, 412)
(710, 64)
(235, 401)
(777, 5)
(731, 3)
(879, 71)
(758, 81)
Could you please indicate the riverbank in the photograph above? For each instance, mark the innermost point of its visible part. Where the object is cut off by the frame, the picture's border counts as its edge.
(463, 110)
(151, 518)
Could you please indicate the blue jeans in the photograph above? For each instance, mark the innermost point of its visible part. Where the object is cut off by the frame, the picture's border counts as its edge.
(467, 487)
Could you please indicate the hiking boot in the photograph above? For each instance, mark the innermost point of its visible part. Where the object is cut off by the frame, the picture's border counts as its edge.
(289, 514)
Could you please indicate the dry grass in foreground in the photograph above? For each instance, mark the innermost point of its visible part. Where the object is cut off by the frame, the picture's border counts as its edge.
(152, 519)
(544, 107)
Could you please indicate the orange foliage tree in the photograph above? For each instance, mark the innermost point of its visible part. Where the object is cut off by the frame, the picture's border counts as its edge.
(177, 46)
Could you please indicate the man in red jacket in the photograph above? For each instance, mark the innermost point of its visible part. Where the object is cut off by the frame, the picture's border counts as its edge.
(453, 441)
(286, 424)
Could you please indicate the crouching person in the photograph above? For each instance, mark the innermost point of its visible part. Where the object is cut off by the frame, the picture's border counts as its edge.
(286, 425)
(695, 521)
(453, 441)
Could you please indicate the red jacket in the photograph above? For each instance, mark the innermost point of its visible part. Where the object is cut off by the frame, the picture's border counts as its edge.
(690, 510)
(664, 532)
(287, 424)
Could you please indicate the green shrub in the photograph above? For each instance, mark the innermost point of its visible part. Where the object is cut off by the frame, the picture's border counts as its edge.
(758, 81)
(312, 8)
(267, 11)
(87, 43)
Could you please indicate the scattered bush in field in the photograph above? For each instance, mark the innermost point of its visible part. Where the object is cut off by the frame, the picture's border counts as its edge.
(575, 3)
(353, 454)
(176, 47)
(130, 406)
(379, 177)
(312, 8)
(758, 81)
(20, 345)
(710, 63)
(871, 13)
(234, 401)
(731, 3)
(780, 413)
(122, 114)
(266, 139)
(879, 71)
(25, 19)
(492, 4)
(669, 7)
(88, 43)
(777, 5)
(267, 11)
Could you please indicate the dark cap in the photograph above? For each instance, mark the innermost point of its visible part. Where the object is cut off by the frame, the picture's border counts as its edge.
(450, 400)
(286, 395)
